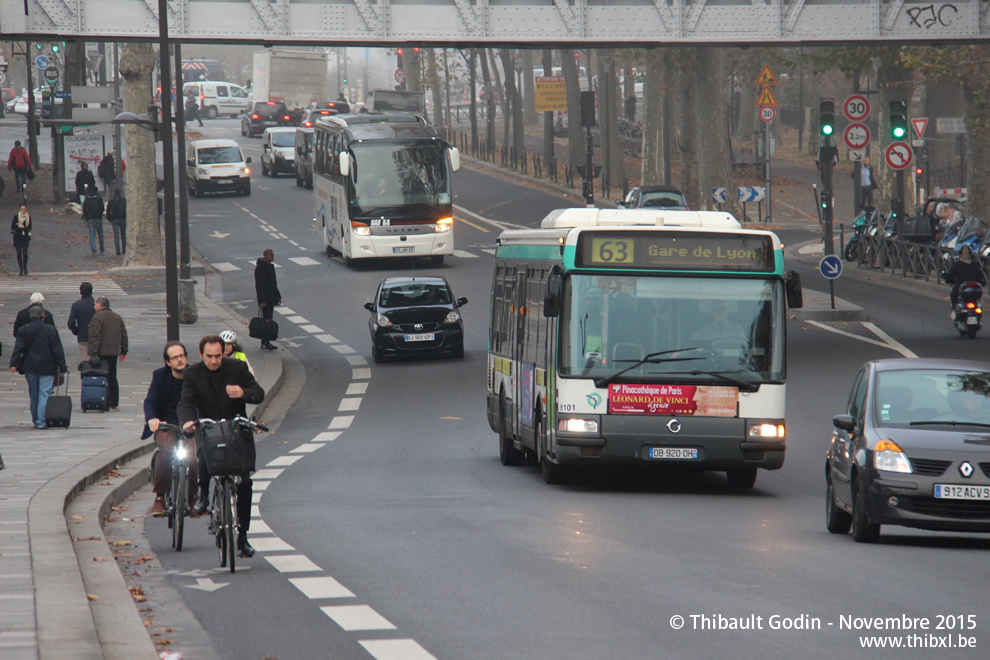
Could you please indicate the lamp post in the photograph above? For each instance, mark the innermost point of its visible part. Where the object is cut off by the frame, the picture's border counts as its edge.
(168, 171)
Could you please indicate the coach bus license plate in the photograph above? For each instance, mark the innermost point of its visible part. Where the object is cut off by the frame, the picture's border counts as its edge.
(423, 336)
(951, 492)
(682, 453)
(403, 250)
(223, 181)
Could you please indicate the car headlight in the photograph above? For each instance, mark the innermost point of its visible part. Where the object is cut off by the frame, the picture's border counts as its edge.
(383, 321)
(888, 456)
(245, 171)
(452, 317)
(444, 224)
(202, 171)
(766, 430)
(577, 425)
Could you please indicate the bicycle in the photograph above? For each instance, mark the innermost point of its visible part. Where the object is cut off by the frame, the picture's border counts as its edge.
(223, 450)
(176, 503)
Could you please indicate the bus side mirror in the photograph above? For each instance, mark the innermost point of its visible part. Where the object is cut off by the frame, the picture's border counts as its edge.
(455, 158)
(345, 163)
(551, 299)
(792, 286)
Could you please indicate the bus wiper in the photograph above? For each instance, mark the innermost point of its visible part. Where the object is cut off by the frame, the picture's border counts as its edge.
(652, 358)
(948, 422)
(743, 385)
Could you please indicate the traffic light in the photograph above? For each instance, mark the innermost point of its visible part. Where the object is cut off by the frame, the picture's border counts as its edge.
(56, 47)
(39, 46)
(824, 200)
(826, 117)
(898, 119)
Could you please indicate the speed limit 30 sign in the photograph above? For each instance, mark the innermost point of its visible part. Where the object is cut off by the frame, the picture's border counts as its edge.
(856, 107)
(767, 113)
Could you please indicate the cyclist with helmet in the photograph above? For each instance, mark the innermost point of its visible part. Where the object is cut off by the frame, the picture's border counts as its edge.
(232, 348)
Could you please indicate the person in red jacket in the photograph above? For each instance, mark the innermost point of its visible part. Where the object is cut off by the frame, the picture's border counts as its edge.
(19, 163)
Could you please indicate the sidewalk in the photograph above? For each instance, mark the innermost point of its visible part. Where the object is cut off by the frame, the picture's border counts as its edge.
(58, 598)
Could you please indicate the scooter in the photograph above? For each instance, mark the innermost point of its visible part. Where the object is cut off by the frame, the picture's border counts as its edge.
(967, 314)
(859, 225)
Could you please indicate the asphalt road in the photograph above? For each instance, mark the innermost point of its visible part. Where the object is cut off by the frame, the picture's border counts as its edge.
(423, 545)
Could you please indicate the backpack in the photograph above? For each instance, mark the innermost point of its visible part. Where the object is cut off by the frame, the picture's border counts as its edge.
(117, 209)
(92, 208)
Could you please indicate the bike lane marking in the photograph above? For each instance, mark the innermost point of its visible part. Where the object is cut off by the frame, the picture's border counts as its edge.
(888, 341)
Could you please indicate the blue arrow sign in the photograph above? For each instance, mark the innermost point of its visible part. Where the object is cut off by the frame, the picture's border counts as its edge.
(719, 195)
(830, 267)
(41, 62)
(751, 193)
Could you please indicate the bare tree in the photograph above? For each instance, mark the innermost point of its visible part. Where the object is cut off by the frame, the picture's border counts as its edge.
(144, 242)
(489, 90)
(513, 102)
(575, 136)
(433, 82)
(655, 87)
(714, 157)
(529, 89)
(688, 135)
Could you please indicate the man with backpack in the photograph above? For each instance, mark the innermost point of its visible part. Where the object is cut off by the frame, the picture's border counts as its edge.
(19, 163)
(92, 209)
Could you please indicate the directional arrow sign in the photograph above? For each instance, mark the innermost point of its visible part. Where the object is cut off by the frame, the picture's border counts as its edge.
(751, 193)
(207, 584)
(830, 266)
(216, 234)
(719, 195)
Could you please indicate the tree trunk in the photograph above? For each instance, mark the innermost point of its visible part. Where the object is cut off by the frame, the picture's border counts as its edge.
(609, 102)
(688, 138)
(575, 135)
(654, 89)
(433, 82)
(518, 138)
(489, 90)
(548, 144)
(144, 241)
(978, 120)
(529, 90)
(714, 157)
(503, 96)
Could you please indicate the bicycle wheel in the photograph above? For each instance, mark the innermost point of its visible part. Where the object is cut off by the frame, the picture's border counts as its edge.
(229, 511)
(220, 521)
(179, 498)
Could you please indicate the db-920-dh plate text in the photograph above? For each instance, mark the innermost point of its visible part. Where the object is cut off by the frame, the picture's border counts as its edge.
(673, 453)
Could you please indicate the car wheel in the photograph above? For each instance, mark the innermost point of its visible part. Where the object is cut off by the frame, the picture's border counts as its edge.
(507, 453)
(246, 190)
(863, 530)
(741, 477)
(211, 112)
(837, 521)
(309, 183)
(459, 351)
(376, 354)
(553, 474)
(299, 181)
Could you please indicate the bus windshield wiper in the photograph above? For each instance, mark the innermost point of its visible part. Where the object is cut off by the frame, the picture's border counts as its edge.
(652, 358)
(743, 385)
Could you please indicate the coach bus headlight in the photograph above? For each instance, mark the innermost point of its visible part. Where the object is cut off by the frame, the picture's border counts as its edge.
(444, 224)
(452, 317)
(383, 321)
(766, 430)
(360, 229)
(578, 425)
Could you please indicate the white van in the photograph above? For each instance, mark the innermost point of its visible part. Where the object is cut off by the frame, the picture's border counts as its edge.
(217, 98)
(217, 166)
(278, 151)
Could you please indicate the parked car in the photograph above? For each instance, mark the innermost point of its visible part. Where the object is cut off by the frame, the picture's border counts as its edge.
(260, 115)
(911, 449)
(413, 316)
(667, 197)
(278, 151)
(6, 96)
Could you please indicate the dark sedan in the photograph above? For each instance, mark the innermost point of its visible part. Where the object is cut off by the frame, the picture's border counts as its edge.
(415, 315)
(912, 449)
(663, 197)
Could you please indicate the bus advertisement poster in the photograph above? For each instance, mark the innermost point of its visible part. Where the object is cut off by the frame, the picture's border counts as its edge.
(658, 399)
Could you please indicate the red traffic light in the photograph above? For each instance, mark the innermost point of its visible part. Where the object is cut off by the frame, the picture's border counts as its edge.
(918, 171)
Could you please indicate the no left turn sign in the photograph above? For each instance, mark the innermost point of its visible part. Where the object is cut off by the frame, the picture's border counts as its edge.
(898, 155)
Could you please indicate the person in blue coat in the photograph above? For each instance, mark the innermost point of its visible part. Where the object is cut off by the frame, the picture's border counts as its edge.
(39, 356)
(80, 315)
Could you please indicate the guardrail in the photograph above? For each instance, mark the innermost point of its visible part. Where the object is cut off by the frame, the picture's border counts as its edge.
(915, 260)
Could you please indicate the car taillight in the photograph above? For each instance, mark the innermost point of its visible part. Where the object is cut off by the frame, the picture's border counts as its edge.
(307, 124)
(255, 116)
(285, 117)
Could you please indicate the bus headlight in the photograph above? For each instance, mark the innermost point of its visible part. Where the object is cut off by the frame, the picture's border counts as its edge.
(452, 317)
(360, 229)
(766, 430)
(444, 224)
(383, 321)
(577, 425)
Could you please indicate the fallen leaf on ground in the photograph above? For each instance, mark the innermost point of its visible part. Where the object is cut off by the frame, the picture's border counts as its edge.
(100, 558)
(92, 596)
(120, 543)
(76, 516)
(141, 560)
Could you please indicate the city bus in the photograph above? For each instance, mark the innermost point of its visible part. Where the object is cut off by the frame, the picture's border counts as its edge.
(382, 187)
(640, 338)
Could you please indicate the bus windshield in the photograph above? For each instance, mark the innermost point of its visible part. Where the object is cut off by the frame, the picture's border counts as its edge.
(700, 326)
(386, 176)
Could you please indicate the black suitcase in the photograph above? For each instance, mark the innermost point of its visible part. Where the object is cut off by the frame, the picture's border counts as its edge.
(262, 328)
(59, 411)
(95, 393)
(100, 368)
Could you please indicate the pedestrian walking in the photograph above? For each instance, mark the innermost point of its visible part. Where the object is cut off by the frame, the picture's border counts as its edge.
(192, 110)
(266, 288)
(39, 356)
(84, 179)
(20, 227)
(107, 170)
(80, 315)
(117, 215)
(24, 316)
(19, 163)
(93, 214)
(108, 339)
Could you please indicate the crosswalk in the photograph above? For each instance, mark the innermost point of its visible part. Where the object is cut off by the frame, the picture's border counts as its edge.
(60, 286)
(248, 263)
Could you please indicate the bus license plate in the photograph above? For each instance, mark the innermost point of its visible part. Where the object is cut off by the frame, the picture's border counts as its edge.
(953, 492)
(403, 250)
(676, 453)
(423, 336)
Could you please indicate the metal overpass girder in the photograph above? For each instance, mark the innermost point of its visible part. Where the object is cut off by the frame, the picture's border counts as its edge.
(370, 17)
(572, 21)
(671, 15)
(176, 14)
(61, 14)
(468, 16)
(274, 19)
(792, 13)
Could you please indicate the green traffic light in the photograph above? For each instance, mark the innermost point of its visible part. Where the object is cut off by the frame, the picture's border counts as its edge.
(898, 132)
(827, 129)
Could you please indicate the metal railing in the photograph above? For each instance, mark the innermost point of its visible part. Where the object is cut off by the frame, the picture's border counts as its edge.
(915, 260)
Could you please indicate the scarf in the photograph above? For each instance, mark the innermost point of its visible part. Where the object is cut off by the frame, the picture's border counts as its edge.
(23, 219)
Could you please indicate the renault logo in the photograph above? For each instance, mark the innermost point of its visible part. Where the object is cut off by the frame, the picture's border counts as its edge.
(966, 469)
(418, 326)
(674, 426)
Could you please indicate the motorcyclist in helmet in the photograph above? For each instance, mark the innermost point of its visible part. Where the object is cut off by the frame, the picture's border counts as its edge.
(964, 269)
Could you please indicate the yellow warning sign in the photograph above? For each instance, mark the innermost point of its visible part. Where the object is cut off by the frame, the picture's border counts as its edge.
(766, 98)
(766, 76)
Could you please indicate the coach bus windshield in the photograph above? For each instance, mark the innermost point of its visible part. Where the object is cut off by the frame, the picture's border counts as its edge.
(387, 176)
(728, 326)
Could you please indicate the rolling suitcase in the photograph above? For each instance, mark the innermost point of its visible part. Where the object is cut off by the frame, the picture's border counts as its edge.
(95, 394)
(59, 411)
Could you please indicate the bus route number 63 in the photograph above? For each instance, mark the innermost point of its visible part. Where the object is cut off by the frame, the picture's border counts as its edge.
(612, 251)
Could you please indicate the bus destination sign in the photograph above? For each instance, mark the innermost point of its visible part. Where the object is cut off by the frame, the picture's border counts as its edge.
(676, 251)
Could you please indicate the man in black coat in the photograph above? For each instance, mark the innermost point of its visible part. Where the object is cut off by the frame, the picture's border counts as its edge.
(39, 356)
(80, 314)
(219, 388)
(266, 288)
(84, 179)
(24, 316)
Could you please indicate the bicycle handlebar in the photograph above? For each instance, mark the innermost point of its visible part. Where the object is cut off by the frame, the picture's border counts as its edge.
(240, 420)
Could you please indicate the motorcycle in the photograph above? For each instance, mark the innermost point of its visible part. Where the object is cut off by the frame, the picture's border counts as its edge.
(859, 224)
(967, 315)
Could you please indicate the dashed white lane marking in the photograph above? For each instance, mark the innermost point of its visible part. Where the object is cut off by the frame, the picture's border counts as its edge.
(341, 422)
(356, 388)
(256, 497)
(488, 250)
(464, 255)
(292, 242)
(321, 587)
(343, 349)
(360, 374)
(292, 564)
(307, 448)
(893, 343)
(328, 339)
(888, 341)
(266, 474)
(351, 404)
(285, 311)
(327, 436)
(297, 319)
(395, 649)
(225, 267)
(356, 359)
(304, 261)
(271, 544)
(357, 617)
(283, 461)
(258, 526)
(312, 329)
(260, 485)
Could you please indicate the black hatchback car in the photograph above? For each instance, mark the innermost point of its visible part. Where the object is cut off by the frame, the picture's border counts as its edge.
(912, 449)
(664, 197)
(260, 115)
(414, 316)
